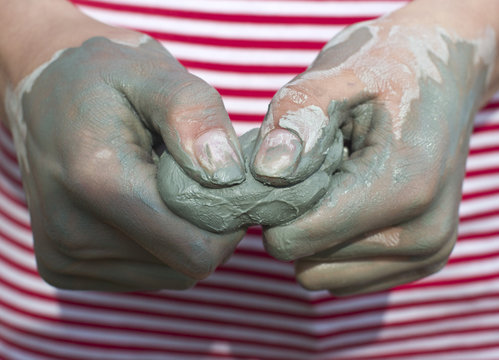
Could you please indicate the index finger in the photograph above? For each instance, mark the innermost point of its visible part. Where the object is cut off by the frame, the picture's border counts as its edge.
(112, 173)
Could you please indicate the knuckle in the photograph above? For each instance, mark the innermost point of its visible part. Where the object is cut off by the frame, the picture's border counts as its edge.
(200, 262)
(281, 245)
(438, 236)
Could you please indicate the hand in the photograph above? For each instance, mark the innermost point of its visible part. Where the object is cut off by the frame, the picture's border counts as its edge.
(404, 93)
(86, 128)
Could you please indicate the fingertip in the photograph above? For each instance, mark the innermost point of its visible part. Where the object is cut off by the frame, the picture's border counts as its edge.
(276, 158)
(219, 159)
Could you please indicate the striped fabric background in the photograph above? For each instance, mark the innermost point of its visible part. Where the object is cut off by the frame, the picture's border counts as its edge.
(251, 308)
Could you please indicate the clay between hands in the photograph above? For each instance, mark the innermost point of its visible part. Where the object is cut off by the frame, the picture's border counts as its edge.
(249, 203)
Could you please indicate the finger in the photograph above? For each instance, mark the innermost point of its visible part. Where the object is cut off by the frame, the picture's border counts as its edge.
(74, 251)
(300, 127)
(370, 191)
(113, 275)
(423, 236)
(111, 173)
(191, 118)
(362, 276)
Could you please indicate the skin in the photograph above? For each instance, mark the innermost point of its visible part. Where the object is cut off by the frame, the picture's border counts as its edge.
(410, 84)
(86, 126)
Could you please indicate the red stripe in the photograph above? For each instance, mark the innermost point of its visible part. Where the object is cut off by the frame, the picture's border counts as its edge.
(485, 128)
(249, 68)
(478, 194)
(53, 356)
(13, 220)
(10, 177)
(474, 236)
(250, 93)
(227, 269)
(326, 19)
(11, 197)
(446, 282)
(491, 105)
(148, 330)
(246, 117)
(411, 354)
(8, 153)
(480, 215)
(324, 336)
(255, 230)
(480, 172)
(237, 43)
(412, 337)
(22, 268)
(463, 259)
(484, 150)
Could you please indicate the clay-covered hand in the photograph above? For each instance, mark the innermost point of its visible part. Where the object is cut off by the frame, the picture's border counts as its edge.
(404, 94)
(86, 125)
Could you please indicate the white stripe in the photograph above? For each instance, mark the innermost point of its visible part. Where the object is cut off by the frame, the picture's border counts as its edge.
(476, 247)
(250, 263)
(482, 161)
(479, 226)
(17, 255)
(480, 183)
(248, 81)
(424, 344)
(93, 334)
(10, 167)
(15, 232)
(401, 315)
(222, 30)
(260, 7)
(479, 205)
(6, 141)
(475, 354)
(457, 291)
(251, 283)
(466, 269)
(487, 117)
(11, 188)
(10, 353)
(246, 106)
(240, 56)
(484, 139)
(397, 332)
(251, 301)
(233, 297)
(13, 209)
(243, 127)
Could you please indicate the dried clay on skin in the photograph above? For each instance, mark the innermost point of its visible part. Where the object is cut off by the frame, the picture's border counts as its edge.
(239, 206)
(385, 76)
(13, 100)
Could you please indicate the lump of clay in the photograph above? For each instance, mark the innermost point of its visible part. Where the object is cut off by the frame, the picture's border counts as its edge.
(239, 206)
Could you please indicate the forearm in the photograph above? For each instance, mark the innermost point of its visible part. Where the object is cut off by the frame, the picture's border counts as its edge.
(33, 30)
(471, 20)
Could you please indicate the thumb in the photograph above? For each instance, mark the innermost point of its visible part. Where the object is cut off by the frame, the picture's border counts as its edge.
(195, 127)
(300, 131)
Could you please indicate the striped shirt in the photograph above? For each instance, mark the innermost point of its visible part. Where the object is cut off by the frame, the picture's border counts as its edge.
(252, 307)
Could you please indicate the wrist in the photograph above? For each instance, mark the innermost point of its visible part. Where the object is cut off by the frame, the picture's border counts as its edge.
(34, 30)
(471, 21)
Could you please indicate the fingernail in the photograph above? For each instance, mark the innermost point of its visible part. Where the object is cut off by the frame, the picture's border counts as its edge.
(218, 158)
(278, 154)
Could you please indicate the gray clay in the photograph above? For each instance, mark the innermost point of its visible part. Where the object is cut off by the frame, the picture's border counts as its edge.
(231, 208)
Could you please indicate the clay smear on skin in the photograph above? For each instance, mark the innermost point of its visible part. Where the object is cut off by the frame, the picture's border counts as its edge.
(308, 122)
(13, 100)
(397, 77)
